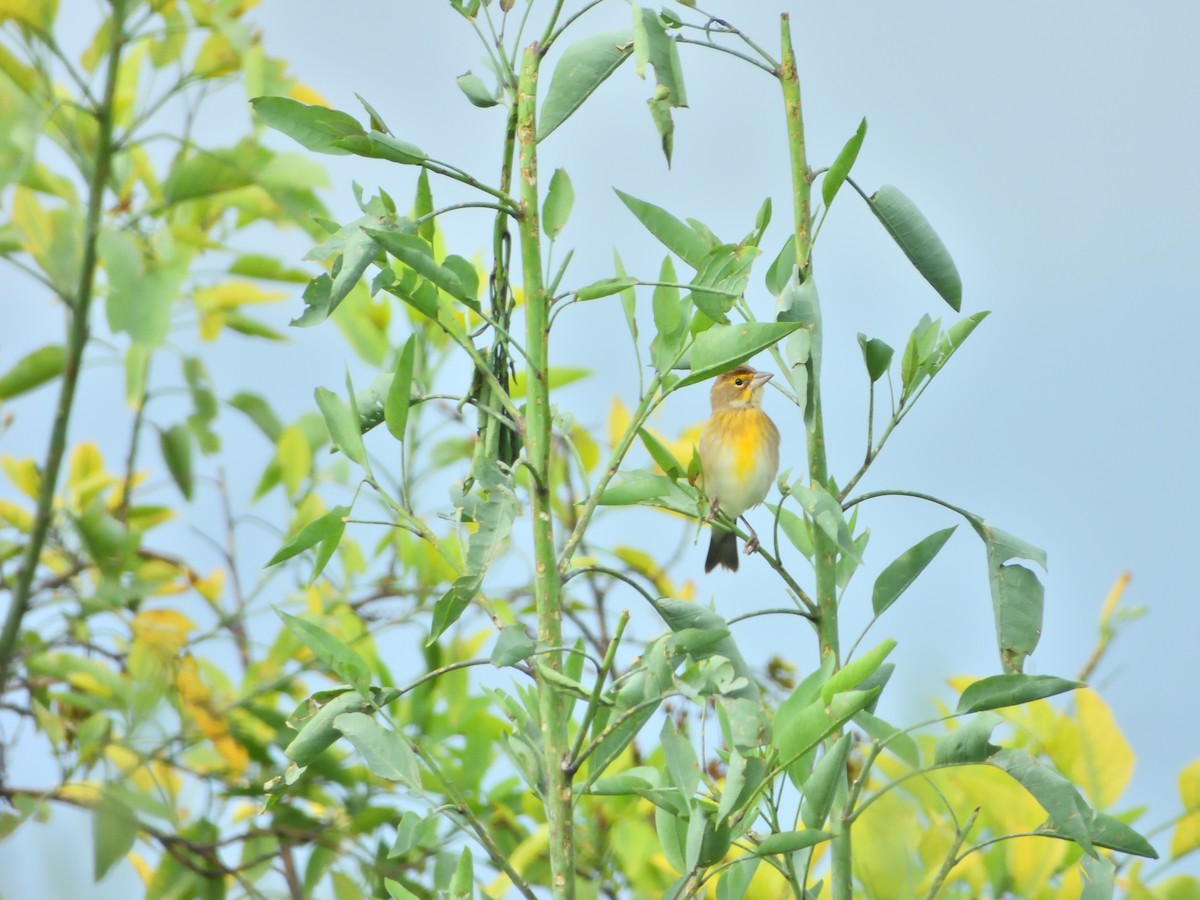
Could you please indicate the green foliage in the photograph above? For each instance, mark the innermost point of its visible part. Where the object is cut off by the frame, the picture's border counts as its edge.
(584, 762)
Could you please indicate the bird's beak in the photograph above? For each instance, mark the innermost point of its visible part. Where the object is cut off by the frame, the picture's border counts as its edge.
(761, 378)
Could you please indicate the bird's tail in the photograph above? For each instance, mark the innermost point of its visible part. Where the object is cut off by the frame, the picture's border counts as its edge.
(722, 551)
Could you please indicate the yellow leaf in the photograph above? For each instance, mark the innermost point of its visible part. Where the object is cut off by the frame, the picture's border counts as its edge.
(197, 706)
(32, 221)
(295, 458)
(23, 474)
(127, 83)
(1114, 597)
(38, 13)
(1189, 786)
(1187, 835)
(217, 56)
(1105, 761)
(305, 94)
(211, 586)
(1031, 862)
(85, 474)
(16, 516)
(141, 867)
(883, 857)
(233, 294)
(163, 630)
(81, 792)
(619, 420)
(211, 323)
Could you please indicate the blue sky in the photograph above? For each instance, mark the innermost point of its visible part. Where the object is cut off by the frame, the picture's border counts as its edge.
(1051, 145)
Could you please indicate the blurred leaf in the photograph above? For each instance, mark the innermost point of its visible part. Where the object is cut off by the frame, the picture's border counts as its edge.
(314, 127)
(836, 176)
(399, 395)
(556, 377)
(557, 207)
(579, 71)
(475, 90)
(920, 243)
(342, 424)
(176, 446)
(259, 412)
(722, 347)
(338, 657)
(114, 829)
(679, 238)
(904, 569)
(895, 740)
(386, 753)
(999, 691)
(32, 370)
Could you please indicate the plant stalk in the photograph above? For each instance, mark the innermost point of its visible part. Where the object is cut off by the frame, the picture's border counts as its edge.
(77, 338)
(547, 578)
(825, 561)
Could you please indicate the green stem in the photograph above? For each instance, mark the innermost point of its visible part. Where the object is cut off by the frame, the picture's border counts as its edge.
(547, 577)
(77, 337)
(825, 556)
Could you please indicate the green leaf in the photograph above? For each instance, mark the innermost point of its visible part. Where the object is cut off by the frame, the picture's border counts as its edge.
(605, 287)
(819, 787)
(386, 753)
(342, 424)
(327, 528)
(722, 347)
(970, 743)
(826, 514)
(679, 238)
(904, 569)
(876, 355)
(377, 145)
(338, 657)
(779, 273)
(790, 841)
(1109, 831)
(318, 732)
(653, 45)
(316, 128)
(114, 829)
(581, 69)
(836, 176)
(801, 724)
(493, 518)
(671, 320)
(1018, 597)
(176, 446)
(1068, 811)
(1099, 877)
(920, 243)
(512, 646)
(397, 891)
(1012, 690)
(895, 740)
(858, 670)
(418, 256)
(636, 486)
(475, 90)
(462, 885)
(32, 370)
(662, 457)
(556, 377)
(795, 528)
(399, 395)
(557, 207)
(683, 767)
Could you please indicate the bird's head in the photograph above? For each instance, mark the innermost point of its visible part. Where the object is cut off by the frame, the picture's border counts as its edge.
(739, 388)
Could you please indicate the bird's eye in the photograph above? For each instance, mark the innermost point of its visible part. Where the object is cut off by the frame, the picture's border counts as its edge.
(739, 381)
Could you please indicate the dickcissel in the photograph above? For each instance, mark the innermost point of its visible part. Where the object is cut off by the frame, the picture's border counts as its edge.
(739, 453)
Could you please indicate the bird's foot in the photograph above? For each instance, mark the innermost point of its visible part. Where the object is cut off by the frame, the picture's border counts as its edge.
(751, 542)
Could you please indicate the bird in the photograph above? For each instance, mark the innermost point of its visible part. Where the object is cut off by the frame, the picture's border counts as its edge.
(739, 456)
